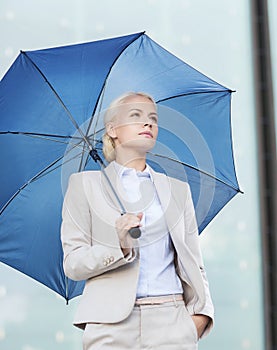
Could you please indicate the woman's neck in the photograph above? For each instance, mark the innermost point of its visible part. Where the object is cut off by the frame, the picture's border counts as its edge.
(137, 163)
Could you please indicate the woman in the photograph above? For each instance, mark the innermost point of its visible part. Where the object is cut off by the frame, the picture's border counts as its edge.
(146, 293)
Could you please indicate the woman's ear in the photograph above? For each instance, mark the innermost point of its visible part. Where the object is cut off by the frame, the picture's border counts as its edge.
(111, 130)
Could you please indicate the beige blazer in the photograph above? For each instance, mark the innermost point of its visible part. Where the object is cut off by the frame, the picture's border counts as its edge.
(92, 251)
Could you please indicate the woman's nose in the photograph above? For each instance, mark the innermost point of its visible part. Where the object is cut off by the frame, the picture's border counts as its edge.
(148, 124)
(147, 121)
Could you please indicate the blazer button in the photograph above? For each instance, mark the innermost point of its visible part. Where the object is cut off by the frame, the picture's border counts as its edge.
(108, 260)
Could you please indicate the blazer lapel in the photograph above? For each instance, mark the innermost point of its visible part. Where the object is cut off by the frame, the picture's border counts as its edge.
(165, 193)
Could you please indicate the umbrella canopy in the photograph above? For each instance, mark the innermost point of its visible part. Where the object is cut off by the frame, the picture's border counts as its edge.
(51, 105)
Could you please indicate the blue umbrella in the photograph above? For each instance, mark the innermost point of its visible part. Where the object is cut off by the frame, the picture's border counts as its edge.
(51, 104)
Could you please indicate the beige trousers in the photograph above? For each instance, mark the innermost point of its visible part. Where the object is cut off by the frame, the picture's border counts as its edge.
(166, 326)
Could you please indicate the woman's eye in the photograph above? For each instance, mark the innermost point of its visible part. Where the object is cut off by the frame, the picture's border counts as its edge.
(136, 115)
(154, 119)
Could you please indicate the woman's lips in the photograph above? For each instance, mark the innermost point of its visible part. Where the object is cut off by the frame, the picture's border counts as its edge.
(146, 133)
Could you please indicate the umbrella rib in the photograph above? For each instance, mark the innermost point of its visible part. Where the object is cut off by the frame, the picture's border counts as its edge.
(58, 166)
(194, 168)
(60, 101)
(35, 177)
(38, 134)
(45, 137)
(194, 93)
(101, 93)
(116, 58)
(82, 159)
(89, 126)
(27, 183)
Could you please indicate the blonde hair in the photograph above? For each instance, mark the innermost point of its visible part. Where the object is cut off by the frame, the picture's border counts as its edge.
(108, 142)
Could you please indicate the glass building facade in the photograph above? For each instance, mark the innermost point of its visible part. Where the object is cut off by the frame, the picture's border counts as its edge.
(214, 37)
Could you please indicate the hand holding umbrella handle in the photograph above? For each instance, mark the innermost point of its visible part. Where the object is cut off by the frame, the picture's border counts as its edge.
(135, 232)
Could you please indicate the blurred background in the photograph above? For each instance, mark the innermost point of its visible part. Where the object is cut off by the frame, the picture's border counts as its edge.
(214, 37)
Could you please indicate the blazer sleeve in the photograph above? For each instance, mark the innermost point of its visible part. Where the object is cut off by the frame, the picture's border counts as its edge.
(82, 259)
(192, 240)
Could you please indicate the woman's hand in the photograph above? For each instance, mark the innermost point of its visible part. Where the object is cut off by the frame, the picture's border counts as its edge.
(123, 225)
(201, 322)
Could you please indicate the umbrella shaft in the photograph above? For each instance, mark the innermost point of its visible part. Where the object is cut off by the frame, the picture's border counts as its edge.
(134, 231)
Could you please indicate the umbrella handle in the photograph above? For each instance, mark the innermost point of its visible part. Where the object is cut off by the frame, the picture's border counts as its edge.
(135, 232)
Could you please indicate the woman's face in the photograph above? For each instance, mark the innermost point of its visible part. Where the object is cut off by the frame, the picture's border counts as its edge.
(135, 125)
